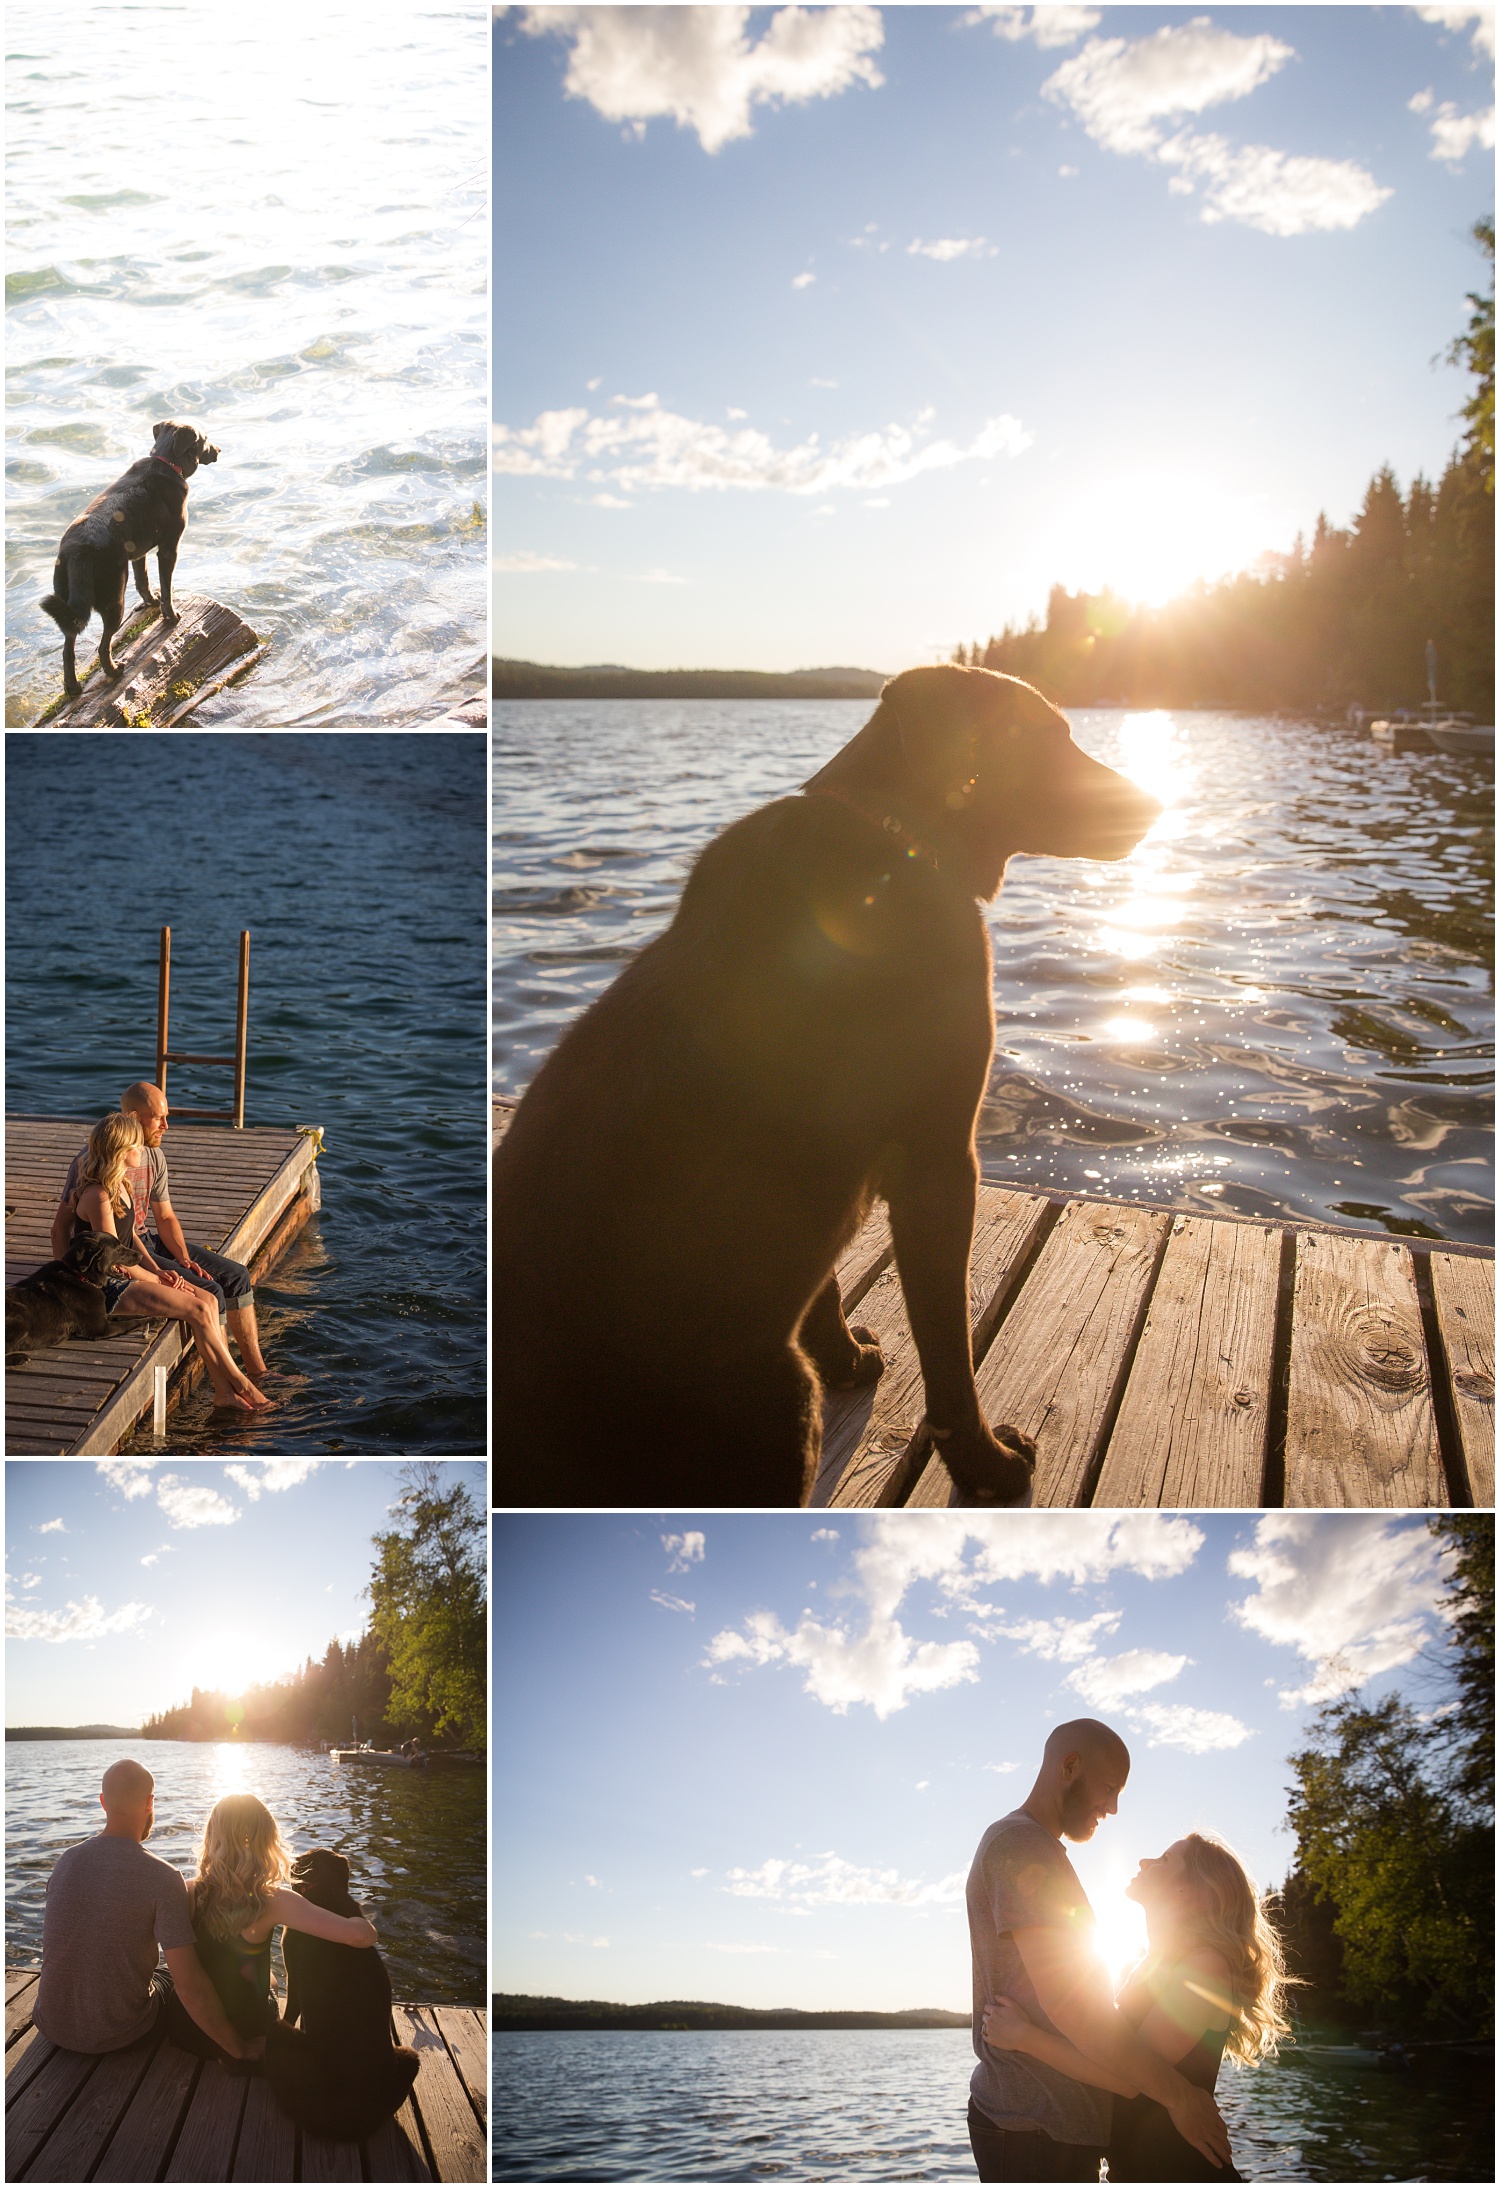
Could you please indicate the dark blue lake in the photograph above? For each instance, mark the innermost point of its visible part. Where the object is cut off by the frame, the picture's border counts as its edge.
(358, 864)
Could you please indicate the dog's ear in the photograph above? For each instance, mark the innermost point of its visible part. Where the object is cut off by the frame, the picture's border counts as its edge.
(916, 749)
(165, 425)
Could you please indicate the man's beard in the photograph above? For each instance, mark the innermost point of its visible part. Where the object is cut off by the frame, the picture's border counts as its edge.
(1079, 1817)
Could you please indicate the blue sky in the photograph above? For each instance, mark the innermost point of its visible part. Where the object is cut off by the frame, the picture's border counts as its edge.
(130, 1581)
(839, 335)
(748, 1757)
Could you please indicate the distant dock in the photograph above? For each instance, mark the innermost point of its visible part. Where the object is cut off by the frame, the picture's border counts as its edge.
(245, 1194)
(152, 2112)
(1183, 1360)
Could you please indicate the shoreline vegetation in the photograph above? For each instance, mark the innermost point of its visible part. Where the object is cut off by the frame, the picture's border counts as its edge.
(418, 1670)
(516, 2011)
(1340, 624)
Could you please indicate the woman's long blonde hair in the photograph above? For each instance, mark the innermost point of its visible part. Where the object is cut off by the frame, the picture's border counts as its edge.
(241, 1861)
(1230, 1918)
(107, 1156)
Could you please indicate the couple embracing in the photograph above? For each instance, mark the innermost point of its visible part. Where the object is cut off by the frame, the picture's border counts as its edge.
(1068, 2076)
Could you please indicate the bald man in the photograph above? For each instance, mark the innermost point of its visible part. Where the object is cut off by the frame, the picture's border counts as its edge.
(110, 1904)
(228, 1281)
(1031, 1936)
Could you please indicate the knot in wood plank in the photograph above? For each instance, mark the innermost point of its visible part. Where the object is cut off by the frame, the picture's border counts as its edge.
(1386, 1357)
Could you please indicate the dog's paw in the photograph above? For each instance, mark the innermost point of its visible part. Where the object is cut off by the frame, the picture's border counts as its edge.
(170, 615)
(865, 1364)
(997, 1471)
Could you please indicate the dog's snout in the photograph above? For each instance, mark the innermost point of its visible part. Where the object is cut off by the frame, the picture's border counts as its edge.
(208, 454)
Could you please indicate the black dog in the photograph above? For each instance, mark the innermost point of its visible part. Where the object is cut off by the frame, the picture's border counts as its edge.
(342, 2077)
(62, 1299)
(145, 508)
(813, 1029)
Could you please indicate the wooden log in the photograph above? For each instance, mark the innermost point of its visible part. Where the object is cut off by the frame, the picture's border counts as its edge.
(82, 2133)
(1463, 1293)
(164, 672)
(1060, 1356)
(205, 2146)
(144, 2135)
(267, 2146)
(1192, 1424)
(453, 2134)
(874, 1443)
(1360, 1427)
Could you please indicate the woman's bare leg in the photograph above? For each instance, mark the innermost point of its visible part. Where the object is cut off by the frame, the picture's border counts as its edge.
(200, 1311)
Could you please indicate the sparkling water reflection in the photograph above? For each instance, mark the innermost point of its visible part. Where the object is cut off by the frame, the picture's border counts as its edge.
(1279, 1005)
(269, 222)
(853, 2105)
(415, 1840)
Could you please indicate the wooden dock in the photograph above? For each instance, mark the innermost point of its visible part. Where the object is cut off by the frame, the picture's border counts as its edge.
(152, 2112)
(1179, 1361)
(245, 1194)
(165, 672)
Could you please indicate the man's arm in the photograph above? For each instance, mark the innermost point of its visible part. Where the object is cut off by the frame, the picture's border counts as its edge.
(202, 2000)
(1073, 1992)
(172, 1236)
(62, 1228)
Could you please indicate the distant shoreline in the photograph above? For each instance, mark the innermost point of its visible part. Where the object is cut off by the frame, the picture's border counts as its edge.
(73, 1732)
(510, 2010)
(607, 680)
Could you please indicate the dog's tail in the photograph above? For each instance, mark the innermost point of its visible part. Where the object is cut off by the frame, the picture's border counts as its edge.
(71, 600)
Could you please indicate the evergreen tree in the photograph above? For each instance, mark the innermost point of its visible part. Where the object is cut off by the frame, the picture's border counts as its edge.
(428, 1597)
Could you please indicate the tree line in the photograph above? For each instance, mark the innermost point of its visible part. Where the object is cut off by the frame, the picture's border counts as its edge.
(1342, 621)
(418, 1670)
(1388, 1911)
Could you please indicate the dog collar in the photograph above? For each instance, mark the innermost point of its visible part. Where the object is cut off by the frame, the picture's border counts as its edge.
(167, 461)
(886, 823)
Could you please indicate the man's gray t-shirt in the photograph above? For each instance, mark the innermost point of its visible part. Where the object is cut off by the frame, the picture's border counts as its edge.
(109, 1905)
(1022, 1880)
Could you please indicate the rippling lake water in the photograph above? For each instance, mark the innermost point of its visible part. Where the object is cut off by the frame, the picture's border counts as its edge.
(357, 863)
(269, 223)
(415, 1840)
(888, 2104)
(1280, 1005)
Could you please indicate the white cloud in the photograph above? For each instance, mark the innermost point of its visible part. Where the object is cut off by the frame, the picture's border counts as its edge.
(880, 1665)
(698, 1872)
(683, 1550)
(274, 1475)
(52, 1527)
(830, 1882)
(1454, 134)
(799, 281)
(1354, 1594)
(527, 564)
(1105, 1681)
(637, 402)
(1047, 26)
(824, 1534)
(1459, 18)
(1065, 1639)
(658, 448)
(1002, 1770)
(192, 1504)
(151, 1560)
(672, 1602)
(951, 247)
(1199, 1731)
(85, 1621)
(30, 1581)
(576, 1937)
(132, 1477)
(745, 1948)
(1123, 91)
(696, 64)
(594, 1883)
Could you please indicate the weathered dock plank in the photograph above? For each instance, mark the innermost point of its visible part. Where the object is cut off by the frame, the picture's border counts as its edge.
(152, 2112)
(1167, 1360)
(1193, 1424)
(1360, 1426)
(241, 1193)
(1464, 1296)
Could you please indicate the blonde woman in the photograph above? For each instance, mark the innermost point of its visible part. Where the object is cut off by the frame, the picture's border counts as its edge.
(105, 1201)
(1211, 1981)
(239, 1896)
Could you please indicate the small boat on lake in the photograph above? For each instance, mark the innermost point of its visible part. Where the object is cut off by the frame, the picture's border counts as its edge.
(1457, 734)
(376, 1758)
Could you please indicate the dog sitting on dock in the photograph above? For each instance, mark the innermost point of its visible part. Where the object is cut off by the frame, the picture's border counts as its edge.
(62, 1299)
(812, 1031)
(339, 2075)
(145, 508)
